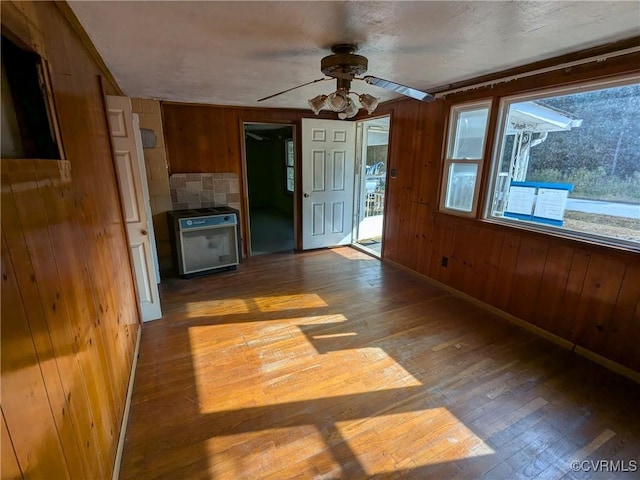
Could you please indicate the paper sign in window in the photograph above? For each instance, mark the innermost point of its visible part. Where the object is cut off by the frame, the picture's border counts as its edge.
(521, 200)
(551, 203)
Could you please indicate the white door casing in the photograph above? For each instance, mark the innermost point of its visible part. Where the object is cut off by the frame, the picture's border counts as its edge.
(132, 181)
(328, 164)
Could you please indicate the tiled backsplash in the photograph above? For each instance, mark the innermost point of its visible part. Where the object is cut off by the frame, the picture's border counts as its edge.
(203, 190)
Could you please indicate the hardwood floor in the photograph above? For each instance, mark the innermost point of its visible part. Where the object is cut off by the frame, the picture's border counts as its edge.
(330, 364)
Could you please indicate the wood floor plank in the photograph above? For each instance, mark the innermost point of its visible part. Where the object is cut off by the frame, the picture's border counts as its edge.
(332, 365)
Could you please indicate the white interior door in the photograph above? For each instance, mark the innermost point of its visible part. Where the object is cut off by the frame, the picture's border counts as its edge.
(145, 195)
(328, 163)
(132, 181)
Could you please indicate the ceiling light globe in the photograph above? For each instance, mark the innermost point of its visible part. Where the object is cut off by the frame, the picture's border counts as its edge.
(368, 102)
(337, 101)
(350, 109)
(316, 103)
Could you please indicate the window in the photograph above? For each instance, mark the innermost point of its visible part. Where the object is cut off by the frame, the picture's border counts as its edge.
(289, 162)
(463, 161)
(569, 161)
(28, 124)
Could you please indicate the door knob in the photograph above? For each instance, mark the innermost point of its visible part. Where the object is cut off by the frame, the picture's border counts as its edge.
(143, 232)
(306, 195)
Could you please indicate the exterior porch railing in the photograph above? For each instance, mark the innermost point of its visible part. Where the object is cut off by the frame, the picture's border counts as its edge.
(374, 204)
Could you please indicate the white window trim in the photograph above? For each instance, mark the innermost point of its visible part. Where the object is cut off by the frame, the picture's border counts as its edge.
(560, 232)
(447, 162)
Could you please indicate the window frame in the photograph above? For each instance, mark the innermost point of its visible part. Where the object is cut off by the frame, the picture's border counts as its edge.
(488, 191)
(288, 142)
(448, 160)
(48, 113)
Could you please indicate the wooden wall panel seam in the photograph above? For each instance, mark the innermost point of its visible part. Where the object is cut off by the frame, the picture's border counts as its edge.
(5, 461)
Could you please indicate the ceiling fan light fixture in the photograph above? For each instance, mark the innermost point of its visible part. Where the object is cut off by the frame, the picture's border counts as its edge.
(368, 102)
(341, 103)
(345, 66)
(316, 103)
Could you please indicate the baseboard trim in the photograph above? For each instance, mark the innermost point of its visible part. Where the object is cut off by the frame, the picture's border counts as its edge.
(610, 364)
(564, 343)
(127, 406)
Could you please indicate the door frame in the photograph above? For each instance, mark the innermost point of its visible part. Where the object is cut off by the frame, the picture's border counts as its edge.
(360, 163)
(244, 182)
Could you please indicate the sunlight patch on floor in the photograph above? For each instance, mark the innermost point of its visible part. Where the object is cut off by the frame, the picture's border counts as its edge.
(352, 254)
(387, 443)
(244, 365)
(229, 306)
(256, 454)
(235, 306)
(278, 303)
(380, 445)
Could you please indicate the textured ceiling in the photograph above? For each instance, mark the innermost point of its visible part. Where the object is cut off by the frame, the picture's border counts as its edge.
(232, 53)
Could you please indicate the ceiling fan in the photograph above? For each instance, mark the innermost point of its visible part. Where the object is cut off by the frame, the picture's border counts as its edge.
(345, 66)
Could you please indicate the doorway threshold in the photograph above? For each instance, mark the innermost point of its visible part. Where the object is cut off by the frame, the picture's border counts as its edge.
(370, 247)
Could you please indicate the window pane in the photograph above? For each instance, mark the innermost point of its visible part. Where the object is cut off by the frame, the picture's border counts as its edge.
(586, 144)
(467, 138)
(461, 185)
(290, 153)
(289, 162)
(290, 179)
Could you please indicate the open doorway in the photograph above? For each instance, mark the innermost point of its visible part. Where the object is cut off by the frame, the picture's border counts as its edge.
(269, 153)
(373, 140)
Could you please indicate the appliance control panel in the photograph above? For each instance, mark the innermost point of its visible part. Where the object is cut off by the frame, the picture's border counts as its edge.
(210, 221)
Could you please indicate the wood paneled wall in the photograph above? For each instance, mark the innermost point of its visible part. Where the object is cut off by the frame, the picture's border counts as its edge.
(587, 294)
(69, 310)
(204, 138)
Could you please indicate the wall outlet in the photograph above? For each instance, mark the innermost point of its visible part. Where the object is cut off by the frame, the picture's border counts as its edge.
(445, 261)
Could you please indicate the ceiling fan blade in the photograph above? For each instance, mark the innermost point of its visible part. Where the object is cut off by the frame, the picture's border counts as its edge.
(398, 88)
(293, 88)
(254, 136)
